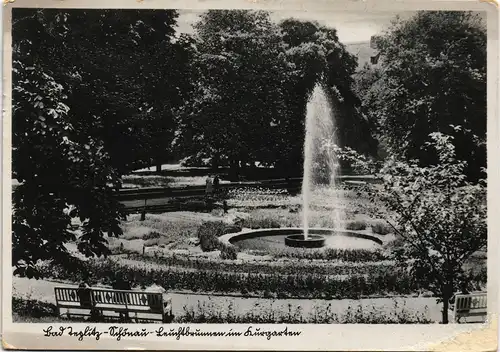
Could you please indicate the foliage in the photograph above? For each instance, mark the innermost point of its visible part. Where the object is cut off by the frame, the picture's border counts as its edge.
(208, 234)
(228, 252)
(277, 265)
(209, 313)
(348, 255)
(33, 308)
(306, 285)
(212, 313)
(381, 228)
(63, 174)
(440, 216)
(260, 223)
(208, 241)
(152, 235)
(81, 93)
(432, 78)
(99, 55)
(356, 225)
(265, 74)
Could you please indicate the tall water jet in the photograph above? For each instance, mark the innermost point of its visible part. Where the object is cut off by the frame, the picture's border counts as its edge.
(320, 160)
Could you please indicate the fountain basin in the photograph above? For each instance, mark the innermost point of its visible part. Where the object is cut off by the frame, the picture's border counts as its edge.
(274, 238)
(299, 240)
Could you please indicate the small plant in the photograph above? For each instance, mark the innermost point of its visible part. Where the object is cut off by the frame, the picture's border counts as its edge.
(228, 252)
(194, 205)
(234, 228)
(152, 235)
(33, 308)
(209, 233)
(381, 228)
(260, 223)
(357, 225)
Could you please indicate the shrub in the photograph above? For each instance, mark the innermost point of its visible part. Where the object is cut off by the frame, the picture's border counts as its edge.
(33, 308)
(214, 228)
(194, 205)
(228, 252)
(208, 234)
(208, 242)
(357, 225)
(260, 223)
(232, 228)
(152, 235)
(381, 228)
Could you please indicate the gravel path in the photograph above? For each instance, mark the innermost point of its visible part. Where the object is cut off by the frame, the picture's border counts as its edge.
(44, 291)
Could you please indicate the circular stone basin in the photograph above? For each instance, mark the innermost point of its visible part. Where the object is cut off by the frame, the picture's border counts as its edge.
(277, 239)
(299, 240)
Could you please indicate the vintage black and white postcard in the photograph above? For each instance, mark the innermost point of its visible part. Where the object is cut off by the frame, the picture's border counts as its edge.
(262, 175)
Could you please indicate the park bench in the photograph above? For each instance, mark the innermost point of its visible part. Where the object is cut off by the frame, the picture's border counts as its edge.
(470, 305)
(108, 304)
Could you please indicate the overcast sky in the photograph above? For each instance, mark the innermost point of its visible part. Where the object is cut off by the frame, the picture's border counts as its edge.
(351, 26)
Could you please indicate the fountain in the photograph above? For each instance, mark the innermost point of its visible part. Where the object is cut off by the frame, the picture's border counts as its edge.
(319, 162)
(320, 167)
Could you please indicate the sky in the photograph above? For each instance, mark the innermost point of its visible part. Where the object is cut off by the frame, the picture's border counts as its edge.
(351, 27)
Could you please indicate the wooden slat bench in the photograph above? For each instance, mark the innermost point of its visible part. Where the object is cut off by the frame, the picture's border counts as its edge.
(470, 305)
(110, 304)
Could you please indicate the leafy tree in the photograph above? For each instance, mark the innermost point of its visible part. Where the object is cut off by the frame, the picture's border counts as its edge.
(87, 106)
(124, 73)
(57, 167)
(238, 70)
(315, 55)
(432, 78)
(438, 216)
(255, 110)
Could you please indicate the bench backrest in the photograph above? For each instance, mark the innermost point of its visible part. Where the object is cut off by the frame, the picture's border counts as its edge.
(127, 298)
(473, 301)
(111, 297)
(67, 294)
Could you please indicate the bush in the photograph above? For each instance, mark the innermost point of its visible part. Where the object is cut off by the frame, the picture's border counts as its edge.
(33, 308)
(194, 205)
(232, 228)
(381, 227)
(208, 242)
(152, 235)
(357, 225)
(260, 223)
(209, 233)
(228, 252)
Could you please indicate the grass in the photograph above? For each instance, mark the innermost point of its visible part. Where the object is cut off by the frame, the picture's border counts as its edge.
(158, 229)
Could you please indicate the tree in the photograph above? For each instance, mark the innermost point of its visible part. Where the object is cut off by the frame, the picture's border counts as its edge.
(123, 71)
(238, 95)
(86, 108)
(432, 78)
(439, 215)
(255, 109)
(57, 167)
(315, 55)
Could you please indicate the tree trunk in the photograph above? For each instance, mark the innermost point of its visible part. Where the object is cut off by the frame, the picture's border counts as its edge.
(446, 300)
(215, 162)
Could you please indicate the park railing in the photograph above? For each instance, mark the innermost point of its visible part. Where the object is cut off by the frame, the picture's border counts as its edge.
(165, 199)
